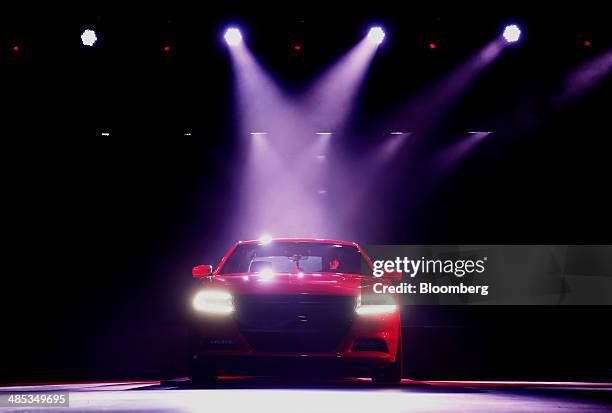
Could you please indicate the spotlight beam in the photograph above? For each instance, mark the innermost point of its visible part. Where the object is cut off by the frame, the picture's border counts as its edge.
(285, 184)
(333, 95)
(426, 110)
(422, 114)
(586, 77)
(278, 186)
(458, 151)
(261, 104)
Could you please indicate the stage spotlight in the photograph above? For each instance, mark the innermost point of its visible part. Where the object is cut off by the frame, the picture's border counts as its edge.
(376, 35)
(512, 33)
(233, 37)
(15, 48)
(88, 37)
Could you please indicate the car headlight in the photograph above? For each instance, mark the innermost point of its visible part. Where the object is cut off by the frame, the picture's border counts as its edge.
(376, 304)
(214, 302)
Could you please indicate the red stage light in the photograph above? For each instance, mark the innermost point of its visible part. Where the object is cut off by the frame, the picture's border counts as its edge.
(587, 43)
(15, 48)
(297, 47)
(432, 45)
(167, 48)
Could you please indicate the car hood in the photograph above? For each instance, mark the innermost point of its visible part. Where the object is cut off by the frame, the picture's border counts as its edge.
(284, 283)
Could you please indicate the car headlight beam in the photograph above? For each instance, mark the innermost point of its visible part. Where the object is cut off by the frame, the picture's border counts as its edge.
(214, 302)
(376, 305)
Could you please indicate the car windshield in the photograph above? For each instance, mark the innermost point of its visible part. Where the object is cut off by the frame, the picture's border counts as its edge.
(295, 257)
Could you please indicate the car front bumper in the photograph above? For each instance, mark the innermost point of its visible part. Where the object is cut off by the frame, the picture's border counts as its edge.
(370, 342)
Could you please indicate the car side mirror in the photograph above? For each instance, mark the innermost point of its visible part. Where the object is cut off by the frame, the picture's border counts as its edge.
(200, 271)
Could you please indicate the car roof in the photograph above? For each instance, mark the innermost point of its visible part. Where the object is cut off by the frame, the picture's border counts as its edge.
(316, 240)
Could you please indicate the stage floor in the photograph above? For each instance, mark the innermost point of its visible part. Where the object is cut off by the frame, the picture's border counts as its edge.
(276, 395)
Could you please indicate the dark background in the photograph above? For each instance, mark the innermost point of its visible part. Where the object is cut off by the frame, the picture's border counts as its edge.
(100, 233)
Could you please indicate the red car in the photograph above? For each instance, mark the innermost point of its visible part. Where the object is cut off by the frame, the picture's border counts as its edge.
(294, 306)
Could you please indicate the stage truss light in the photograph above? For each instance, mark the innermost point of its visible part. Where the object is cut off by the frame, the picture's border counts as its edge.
(233, 36)
(512, 33)
(88, 37)
(376, 35)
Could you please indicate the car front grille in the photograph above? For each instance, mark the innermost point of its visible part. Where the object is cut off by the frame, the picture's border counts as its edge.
(294, 323)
